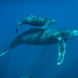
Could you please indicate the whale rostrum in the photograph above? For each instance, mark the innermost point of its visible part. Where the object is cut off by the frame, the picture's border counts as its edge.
(47, 36)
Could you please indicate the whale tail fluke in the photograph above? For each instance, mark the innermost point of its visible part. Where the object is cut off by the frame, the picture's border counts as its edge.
(18, 25)
(4, 52)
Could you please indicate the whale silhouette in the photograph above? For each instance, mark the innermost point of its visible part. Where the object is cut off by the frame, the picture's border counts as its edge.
(36, 21)
(44, 37)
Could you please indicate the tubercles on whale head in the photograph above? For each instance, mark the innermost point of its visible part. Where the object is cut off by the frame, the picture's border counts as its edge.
(72, 33)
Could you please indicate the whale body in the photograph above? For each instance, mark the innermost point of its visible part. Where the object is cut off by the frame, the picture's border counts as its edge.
(36, 21)
(44, 37)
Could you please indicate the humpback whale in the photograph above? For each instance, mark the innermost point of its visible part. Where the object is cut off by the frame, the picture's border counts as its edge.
(44, 37)
(35, 21)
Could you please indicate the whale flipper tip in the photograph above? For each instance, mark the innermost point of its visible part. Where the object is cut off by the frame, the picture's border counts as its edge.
(4, 52)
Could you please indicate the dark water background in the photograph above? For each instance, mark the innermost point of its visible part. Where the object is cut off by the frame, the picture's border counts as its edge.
(38, 61)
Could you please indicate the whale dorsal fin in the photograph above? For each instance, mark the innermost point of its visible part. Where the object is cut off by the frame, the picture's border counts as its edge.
(61, 50)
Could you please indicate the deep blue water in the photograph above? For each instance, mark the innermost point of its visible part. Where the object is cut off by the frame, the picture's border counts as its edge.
(38, 61)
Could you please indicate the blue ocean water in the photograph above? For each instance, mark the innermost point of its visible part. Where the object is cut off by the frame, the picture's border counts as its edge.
(38, 61)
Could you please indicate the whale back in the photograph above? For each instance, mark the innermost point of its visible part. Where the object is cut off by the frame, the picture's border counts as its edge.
(37, 37)
(36, 21)
(41, 36)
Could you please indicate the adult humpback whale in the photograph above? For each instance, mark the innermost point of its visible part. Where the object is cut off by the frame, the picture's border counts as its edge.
(44, 37)
(35, 21)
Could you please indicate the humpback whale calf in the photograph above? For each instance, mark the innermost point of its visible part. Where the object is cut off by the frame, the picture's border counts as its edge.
(44, 37)
(36, 21)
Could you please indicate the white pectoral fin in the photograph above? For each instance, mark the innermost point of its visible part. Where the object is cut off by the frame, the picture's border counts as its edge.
(61, 50)
(4, 52)
(44, 27)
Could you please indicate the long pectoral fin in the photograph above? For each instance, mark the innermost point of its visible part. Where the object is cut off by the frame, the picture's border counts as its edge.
(4, 52)
(61, 50)
(46, 25)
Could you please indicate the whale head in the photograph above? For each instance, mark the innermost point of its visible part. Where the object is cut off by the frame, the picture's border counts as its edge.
(69, 34)
(75, 32)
